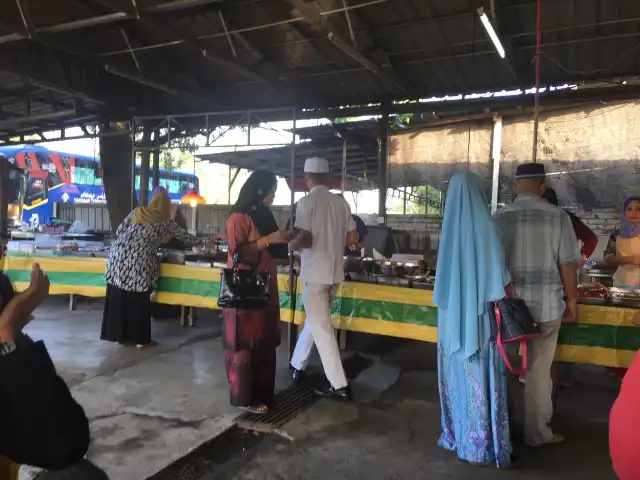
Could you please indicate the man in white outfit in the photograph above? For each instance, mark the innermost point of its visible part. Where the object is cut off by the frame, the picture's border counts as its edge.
(324, 226)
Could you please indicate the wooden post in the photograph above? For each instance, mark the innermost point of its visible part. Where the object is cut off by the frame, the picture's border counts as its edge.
(117, 172)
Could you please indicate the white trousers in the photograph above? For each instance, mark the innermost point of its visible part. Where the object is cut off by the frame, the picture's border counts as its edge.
(317, 299)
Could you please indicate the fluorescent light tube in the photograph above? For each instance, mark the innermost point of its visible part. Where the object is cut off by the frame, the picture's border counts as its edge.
(492, 33)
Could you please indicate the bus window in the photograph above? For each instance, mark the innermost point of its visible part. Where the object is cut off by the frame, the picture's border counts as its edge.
(84, 173)
(36, 191)
(84, 176)
(47, 165)
(15, 185)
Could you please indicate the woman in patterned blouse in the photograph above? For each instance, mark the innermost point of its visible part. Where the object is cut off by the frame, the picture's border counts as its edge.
(132, 268)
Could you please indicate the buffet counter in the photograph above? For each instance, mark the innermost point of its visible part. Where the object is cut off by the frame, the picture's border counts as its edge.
(603, 335)
(181, 285)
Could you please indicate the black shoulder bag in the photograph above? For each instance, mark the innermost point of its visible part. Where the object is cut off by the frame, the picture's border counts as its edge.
(515, 324)
(240, 288)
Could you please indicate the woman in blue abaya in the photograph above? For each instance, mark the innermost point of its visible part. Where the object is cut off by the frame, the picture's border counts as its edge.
(471, 374)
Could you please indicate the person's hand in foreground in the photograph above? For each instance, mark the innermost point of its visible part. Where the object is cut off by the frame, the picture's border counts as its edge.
(17, 313)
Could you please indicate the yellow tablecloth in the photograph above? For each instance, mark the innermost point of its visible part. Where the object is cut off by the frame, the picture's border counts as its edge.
(603, 335)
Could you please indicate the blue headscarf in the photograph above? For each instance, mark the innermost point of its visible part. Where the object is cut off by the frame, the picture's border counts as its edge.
(628, 229)
(471, 269)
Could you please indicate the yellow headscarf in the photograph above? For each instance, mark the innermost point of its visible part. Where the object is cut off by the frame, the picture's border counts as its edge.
(158, 210)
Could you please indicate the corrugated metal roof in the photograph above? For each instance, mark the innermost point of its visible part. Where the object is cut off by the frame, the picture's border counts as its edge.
(317, 141)
(175, 55)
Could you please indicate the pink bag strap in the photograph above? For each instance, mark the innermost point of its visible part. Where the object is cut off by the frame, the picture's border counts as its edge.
(510, 291)
(502, 351)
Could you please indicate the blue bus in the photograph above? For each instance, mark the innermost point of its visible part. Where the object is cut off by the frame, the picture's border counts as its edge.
(57, 177)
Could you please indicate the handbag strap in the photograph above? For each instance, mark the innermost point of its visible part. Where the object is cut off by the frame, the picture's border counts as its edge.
(254, 266)
(510, 290)
(503, 353)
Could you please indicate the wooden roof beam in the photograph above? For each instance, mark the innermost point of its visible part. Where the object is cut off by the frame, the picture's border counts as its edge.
(271, 65)
(321, 23)
(194, 42)
(59, 71)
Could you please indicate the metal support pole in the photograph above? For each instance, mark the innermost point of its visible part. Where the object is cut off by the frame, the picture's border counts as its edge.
(383, 163)
(144, 167)
(229, 185)
(496, 150)
(249, 128)
(536, 114)
(342, 334)
(292, 329)
(156, 167)
(194, 220)
(343, 178)
(133, 162)
(404, 200)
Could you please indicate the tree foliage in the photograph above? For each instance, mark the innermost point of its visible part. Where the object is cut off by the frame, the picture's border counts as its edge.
(424, 199)
(179, 154)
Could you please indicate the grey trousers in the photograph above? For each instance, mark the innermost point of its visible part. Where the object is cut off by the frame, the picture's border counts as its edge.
(538, 388)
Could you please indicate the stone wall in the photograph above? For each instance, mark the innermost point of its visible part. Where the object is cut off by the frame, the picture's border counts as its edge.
(421, 233)
(409, 223)
(602, 222)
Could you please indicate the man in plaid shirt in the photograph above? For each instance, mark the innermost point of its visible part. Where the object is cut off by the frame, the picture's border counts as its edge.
(541, 252)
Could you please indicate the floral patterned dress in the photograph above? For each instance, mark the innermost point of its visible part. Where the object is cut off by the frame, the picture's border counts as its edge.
(130, 275)
(473, 400)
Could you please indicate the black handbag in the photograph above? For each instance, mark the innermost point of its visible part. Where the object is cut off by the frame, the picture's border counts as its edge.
(515, 324)
(243, 288)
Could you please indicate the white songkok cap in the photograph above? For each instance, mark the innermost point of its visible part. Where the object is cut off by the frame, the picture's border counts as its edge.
(316, 165)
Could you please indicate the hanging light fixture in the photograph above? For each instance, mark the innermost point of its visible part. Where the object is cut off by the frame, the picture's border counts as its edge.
(193, 198)
(491, 32)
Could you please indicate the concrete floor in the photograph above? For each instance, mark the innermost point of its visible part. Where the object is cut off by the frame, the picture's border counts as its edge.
(149, 407)
(394, 435)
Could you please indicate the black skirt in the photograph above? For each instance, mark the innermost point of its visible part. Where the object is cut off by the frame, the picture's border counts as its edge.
(127, 317)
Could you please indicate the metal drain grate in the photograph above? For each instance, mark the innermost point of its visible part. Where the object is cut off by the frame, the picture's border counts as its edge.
(286, 405)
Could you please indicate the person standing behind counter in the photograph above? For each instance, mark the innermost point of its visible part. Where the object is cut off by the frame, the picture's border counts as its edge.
(583, 233)
(324, 225)
(623, 250)
(131, 270)
(362, 231)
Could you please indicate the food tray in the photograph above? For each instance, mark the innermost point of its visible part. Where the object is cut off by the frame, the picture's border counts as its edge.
(199, 264)
(625, 291)
(393, 282)
(359, 277)
(593, 301)
(422, 285)
(625, 302)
